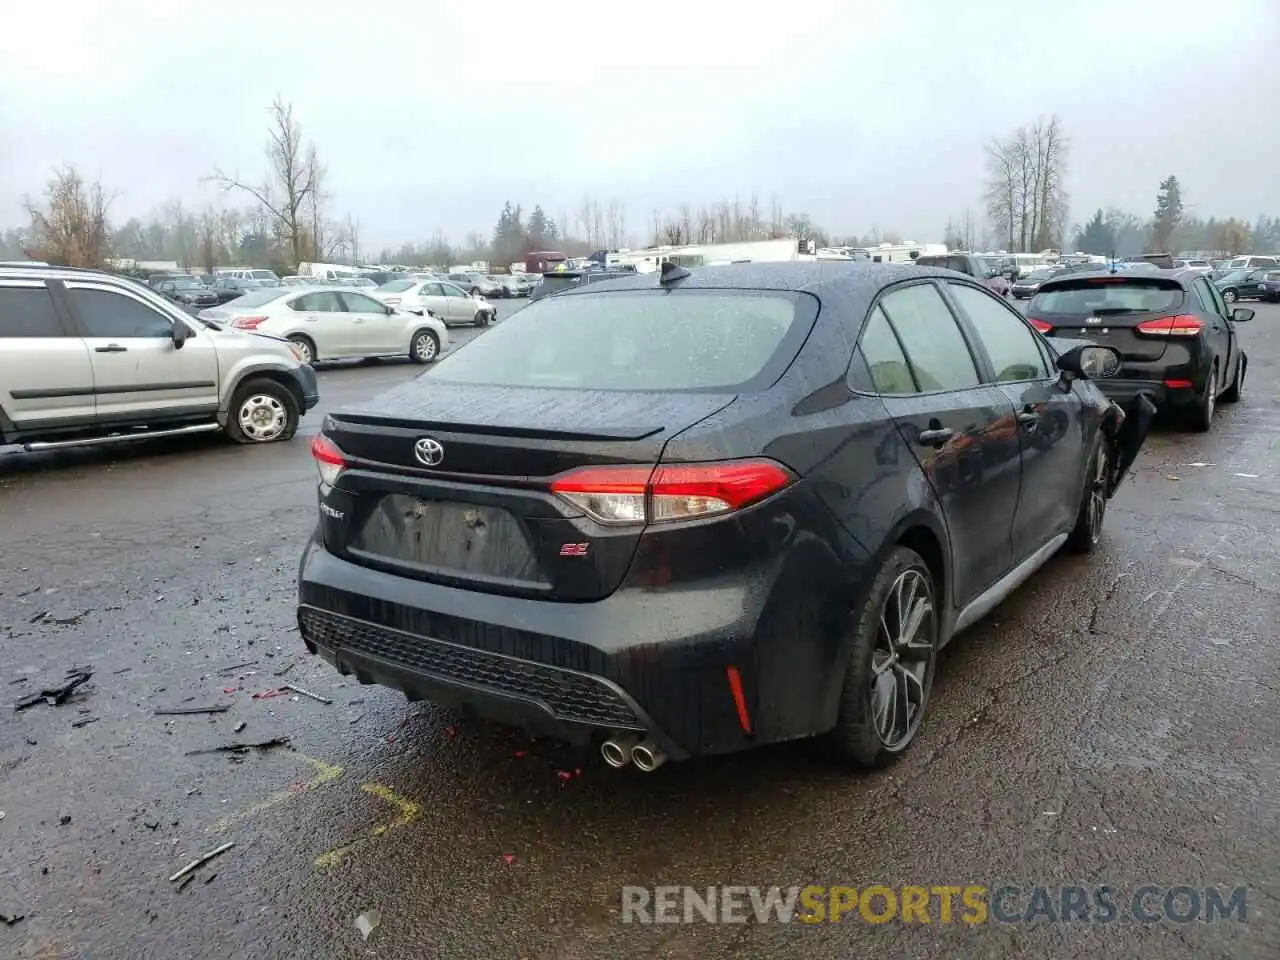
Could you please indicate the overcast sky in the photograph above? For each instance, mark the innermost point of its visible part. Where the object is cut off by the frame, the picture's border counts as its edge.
(430, 114)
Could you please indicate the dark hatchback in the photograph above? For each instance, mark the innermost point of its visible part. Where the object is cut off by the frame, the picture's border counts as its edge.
(189, 292)
(698, 513)
(1176, 335)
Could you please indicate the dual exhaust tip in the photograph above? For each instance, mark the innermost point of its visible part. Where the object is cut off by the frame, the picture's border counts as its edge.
(645, 754)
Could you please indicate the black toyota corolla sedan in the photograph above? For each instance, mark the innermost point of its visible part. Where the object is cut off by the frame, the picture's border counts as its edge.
(695, 512)
(1175, 332)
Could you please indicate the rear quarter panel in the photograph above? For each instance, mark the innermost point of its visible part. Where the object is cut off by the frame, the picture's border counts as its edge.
(859, 488)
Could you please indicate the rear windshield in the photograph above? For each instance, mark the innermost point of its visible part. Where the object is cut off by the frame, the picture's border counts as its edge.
(1109, 295)
(931, 261)
(630, 340)
(262, 275)
(256, 298)
(397, 286)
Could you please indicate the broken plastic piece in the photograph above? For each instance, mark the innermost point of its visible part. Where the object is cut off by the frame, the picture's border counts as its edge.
(200, 861)
(241, 747)
(367, 922)
(56, 696)
(188, 711)
(306, 693)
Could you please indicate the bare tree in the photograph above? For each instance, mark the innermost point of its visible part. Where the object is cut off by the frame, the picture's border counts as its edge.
(289, 183)
(584, 219)
(71, 227)
(1002, 191)
(209, 240)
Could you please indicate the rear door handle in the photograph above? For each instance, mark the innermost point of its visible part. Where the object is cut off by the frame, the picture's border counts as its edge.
(111, 348)
(935, 437)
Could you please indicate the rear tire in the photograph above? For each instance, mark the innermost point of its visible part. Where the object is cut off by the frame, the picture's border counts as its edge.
(1201, 419)
(262, 411)
(890, 664)
(482, 318)
(1086, 534)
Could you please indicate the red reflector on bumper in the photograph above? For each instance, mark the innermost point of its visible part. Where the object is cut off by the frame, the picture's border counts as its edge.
(1178, 384)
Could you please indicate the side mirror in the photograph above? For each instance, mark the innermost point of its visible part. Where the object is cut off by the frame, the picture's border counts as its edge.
(1090, 362)
(1241, 315)
(181, 334)
(390, 311)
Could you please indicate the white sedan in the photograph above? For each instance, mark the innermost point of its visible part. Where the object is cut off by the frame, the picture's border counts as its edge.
(334, 323)
(440, 298)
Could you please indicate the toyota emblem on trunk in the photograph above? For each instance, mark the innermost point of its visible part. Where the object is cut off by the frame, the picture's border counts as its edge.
(429, 451)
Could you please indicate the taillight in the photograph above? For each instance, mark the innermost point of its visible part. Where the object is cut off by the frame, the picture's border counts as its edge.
(330, 460)
(688, 491)
(1040, 324)
(1180, 326)
(248, 323)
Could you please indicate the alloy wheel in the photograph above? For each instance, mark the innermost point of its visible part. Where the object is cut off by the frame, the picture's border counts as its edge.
(903, 659)
(424, 347)
(1098, 495)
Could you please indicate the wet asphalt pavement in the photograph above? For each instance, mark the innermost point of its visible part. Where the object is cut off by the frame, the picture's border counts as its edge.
(1116, 721)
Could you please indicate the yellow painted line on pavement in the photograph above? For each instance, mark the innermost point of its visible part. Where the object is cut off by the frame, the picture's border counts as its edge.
(409, 811)
(325, 773)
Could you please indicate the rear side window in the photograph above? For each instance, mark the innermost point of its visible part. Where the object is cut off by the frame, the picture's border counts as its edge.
(1109, 295)
(936, 349)
(28, 312)
(635, 340)
(886, 363)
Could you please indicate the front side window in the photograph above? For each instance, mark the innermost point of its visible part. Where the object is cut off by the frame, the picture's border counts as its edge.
(106, 313)
(935, 347)
(1014, 350)
(359, 303)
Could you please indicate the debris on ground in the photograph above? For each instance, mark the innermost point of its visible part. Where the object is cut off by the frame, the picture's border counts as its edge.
(185, 880)
(239, 726)
(9, 919)
(64, 819)
(242, 747)
(71, 621)
(210, 878)
(199, 862)
(85, 722)
(367, 922)
(57, 696)
(281, 673)
(266, 695)
(567, 775)
(187, 711)
(238, 666)
(306, 693)
(509, 857)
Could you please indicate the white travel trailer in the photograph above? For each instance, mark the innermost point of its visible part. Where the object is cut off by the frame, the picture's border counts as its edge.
(906, 252)
(786, 250)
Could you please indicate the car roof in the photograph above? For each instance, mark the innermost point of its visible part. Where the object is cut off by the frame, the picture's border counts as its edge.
(852, 278)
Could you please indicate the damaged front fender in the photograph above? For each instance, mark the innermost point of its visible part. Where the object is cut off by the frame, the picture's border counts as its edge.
(1125, 429)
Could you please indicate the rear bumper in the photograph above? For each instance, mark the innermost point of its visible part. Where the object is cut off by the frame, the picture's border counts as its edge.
(645, 659)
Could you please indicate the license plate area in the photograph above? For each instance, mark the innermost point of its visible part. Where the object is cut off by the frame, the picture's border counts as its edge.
(459, 539)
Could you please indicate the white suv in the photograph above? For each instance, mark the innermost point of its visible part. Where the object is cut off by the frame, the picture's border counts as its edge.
(87, 358)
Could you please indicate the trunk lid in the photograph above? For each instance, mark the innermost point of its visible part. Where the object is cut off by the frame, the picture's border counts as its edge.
(475, 510)
(1108, 309)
